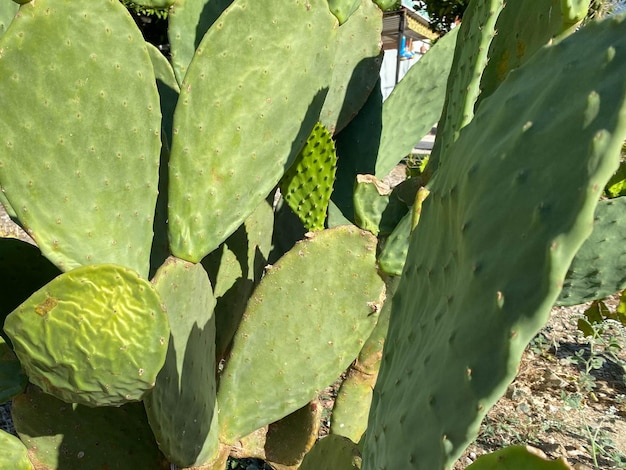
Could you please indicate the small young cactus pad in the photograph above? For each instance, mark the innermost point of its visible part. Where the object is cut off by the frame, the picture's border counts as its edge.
(307, 185)
(96, 335)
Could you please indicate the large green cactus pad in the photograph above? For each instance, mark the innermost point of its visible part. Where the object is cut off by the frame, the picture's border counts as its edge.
(14, 454)
(305, 323)
(507, 212)
(307, 185)
(80, 144)
(96, 335)
(59, 435)
(185, 386)
(415, 104)
(243, 115)
(598, 268)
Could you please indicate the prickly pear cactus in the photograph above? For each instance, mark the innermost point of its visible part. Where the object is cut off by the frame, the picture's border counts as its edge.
(516, 209)
(289, 343)
(75, 188)
(105, 331)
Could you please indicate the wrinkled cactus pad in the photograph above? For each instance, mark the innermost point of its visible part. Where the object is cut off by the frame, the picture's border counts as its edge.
(96, 335)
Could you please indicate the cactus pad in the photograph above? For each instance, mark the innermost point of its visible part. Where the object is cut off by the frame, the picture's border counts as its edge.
(77, 188)
(96, 335)
(188, 21)
(23, 270)
(304, 324)
(356, 66)
(415, 104)
(74, 437)
(7, 13)
(289, 439)
(470, 59)
(243, 115)
(535, 25)
(598, 268)
(181, 407)
(516, 196)
(343, 9)
(518, 458)
(307, 185)
(14, 453)
(333, 453)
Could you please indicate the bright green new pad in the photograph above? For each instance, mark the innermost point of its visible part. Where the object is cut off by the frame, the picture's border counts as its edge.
(356, 66)
(96, 335)
(508, 210)
(307, 185)
(85, 194)
(14, 454)
(598, 268)
(415, 104)
(243, 115)
(181, 407)
(12, 378)
(305, 323)
(517, 458)
(66, 436)
(333, 453)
